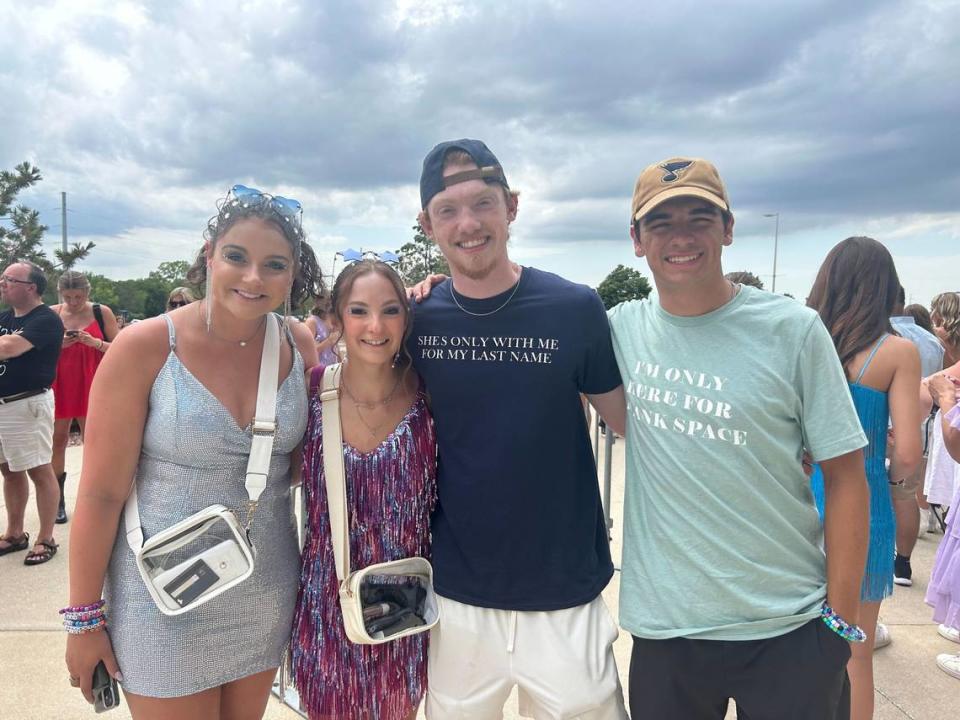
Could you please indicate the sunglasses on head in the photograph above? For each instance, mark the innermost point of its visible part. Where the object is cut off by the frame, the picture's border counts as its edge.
(287, 208)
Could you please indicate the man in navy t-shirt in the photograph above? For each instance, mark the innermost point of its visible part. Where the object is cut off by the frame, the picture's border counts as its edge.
(520, 549)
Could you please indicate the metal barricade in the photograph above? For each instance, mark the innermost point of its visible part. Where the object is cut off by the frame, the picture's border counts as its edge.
(606, 479)
(283, 686)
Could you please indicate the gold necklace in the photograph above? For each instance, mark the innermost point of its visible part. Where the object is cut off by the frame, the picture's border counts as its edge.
(242, 343)
(369, 405)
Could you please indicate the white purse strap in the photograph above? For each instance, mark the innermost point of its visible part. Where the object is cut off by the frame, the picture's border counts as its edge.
(264, 427)
(333, 470)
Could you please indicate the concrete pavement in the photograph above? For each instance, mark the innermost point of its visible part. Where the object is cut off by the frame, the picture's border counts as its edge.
(34, 679)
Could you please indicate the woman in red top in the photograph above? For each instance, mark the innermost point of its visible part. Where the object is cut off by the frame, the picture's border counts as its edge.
(86, 338)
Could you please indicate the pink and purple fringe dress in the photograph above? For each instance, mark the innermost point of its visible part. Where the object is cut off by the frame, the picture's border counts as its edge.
(943, 592)
(391, 492)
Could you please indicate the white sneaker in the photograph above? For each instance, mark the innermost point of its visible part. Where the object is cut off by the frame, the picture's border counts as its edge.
(949, 633)
(881, 637)
(950, 664)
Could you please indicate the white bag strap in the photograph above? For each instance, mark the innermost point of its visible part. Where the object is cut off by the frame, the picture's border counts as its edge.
(264, 427)
(333, 470)
(264, 424)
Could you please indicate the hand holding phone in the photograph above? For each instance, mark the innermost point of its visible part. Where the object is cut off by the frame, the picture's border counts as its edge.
(72, 333)
(106, 694)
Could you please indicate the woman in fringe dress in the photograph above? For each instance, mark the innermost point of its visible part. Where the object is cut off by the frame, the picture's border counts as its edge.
(389, 454)
(854, 293)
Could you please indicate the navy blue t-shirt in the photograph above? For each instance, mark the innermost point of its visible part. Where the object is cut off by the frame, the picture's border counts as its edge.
(519, 523)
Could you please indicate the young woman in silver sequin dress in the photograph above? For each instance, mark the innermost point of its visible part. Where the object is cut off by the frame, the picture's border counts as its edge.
(170, 409)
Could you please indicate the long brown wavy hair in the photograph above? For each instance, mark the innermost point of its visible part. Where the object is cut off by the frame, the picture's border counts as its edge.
(855, 292)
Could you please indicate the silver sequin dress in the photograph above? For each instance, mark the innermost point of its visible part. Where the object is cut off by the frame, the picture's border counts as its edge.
(194, 455)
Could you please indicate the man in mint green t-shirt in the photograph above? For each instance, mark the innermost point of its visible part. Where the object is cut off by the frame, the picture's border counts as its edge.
(726, 386)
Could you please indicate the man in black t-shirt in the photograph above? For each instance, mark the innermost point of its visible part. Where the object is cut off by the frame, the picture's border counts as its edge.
(30, 339)
(520, 548)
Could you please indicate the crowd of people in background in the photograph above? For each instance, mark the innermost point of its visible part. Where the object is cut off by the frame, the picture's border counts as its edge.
(814, 436)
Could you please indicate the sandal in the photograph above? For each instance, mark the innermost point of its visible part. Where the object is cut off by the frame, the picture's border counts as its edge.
(15, 544)
(38, 558)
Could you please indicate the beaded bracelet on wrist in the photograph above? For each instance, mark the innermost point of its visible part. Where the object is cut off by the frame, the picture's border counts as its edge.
(850, 633)
(84, 608)
(77, 627)
(74, 617)
(100, 625)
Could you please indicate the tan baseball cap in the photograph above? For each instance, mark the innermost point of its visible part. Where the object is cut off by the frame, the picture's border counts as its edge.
(677, 177)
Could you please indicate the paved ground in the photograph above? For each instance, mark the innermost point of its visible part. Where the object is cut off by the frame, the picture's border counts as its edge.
(34, 680)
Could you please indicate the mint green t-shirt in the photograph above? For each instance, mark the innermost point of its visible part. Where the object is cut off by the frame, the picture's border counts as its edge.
(722, 540)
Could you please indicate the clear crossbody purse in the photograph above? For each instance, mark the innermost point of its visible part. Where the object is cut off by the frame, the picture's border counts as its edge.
(381, 602)
(206, 554)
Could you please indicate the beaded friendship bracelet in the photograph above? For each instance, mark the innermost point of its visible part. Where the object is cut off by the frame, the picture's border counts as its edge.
(850, 633)
(79, 619)
(84, 608)
(83, 615)
(100, 624)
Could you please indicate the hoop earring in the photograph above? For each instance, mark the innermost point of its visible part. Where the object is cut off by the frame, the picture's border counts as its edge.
(207, 299)
(396, 360)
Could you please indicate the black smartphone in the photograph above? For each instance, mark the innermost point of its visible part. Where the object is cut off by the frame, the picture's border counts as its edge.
(72, 333)
(106, 694)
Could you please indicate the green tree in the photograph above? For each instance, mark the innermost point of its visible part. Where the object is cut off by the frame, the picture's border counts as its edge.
(622, 284)
(420, 257)
(23, 240)
(102, 290)
(155, 297)
(172, 273)
(745, 277)
(130, 296)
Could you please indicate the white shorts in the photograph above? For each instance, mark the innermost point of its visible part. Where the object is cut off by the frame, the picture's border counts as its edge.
(26, 432)
(562, 662)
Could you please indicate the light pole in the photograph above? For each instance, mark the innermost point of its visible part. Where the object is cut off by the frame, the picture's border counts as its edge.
(776, 238)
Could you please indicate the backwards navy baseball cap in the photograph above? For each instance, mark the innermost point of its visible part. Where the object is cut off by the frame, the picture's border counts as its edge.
(432, 180)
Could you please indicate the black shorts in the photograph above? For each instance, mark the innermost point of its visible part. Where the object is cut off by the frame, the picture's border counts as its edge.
(798, 676)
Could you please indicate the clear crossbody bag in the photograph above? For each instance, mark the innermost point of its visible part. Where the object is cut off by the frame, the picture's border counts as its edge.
(381, 602)
(206, 554)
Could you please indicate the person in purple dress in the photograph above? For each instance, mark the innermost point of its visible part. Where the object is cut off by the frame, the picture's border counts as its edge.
(319, 324)
(389, 450)
(943, 592)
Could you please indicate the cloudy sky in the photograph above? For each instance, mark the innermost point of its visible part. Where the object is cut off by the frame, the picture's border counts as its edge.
(841, 117)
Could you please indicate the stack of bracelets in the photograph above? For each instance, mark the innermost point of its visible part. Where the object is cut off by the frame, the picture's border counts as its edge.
(81, 619)
(850, 633)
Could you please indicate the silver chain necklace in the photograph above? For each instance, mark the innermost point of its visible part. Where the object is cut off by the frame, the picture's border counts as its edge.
(453, 294)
